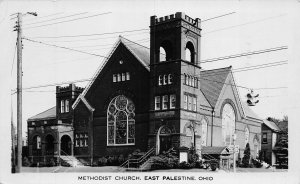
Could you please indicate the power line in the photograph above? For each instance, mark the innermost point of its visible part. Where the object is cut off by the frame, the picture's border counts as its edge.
(243, 69)
(282, 87)
(12, 66)
(41, 17)
(93, 39)
(218, 16)
(95, 34)
(244, 54)
(89, 79)
(144, 39)
(57, 18)
(57, 84)
(238, 25)
(68, 20)
(62, 47)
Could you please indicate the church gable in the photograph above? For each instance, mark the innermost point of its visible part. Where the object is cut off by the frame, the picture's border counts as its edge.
(229, 94)
(121, 59)
(211, 83)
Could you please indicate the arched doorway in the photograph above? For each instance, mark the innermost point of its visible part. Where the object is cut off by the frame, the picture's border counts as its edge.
(163, 139)
(49, 147)
(65, 145)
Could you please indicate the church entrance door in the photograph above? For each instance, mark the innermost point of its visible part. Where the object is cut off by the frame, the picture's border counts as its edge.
(163, 139)
(165, 143)
(66, 145)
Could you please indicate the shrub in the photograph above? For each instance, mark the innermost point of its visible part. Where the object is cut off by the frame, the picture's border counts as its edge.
(184, 165)
(214, 164)
(51, 163)
(246, 157)
(193, 157)
(26, 162)
(121, 159)
(257, 163)
(199, 164)
(102, 161)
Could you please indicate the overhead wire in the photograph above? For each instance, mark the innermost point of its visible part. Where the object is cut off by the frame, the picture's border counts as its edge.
(243, 24)
(12, 66)
(89, 79)
(93, 34)
(62, 47)
(218, 17)
(72, 15)
(41, 17)
(26, 28)
(244, 54)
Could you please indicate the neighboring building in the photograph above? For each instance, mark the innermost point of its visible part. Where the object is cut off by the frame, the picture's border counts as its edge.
(50, 133)
(142, 98)
(270, 132)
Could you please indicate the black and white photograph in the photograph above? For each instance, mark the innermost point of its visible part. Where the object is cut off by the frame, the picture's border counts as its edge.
(149, 91)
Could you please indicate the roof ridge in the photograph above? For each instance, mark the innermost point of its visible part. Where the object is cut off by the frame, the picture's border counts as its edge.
(42, 112)
(133, 42)
(228, 67)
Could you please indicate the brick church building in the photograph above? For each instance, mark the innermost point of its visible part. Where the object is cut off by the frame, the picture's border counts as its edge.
(143, 98)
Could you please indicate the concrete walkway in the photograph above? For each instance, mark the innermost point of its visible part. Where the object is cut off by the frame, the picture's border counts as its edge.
(60, 169)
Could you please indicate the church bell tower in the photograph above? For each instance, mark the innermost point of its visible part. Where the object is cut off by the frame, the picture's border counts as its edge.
(174, 79)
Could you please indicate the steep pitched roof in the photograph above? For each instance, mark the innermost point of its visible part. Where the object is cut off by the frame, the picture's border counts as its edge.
(48, 114)
(249, 112)
(271, 125)
(212, 82)
(142, 53)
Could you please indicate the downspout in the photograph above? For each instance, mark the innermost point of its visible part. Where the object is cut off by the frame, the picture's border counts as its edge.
(212, 127)
(91, 138)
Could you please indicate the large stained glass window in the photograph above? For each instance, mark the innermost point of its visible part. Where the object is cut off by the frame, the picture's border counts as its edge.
(120, 121)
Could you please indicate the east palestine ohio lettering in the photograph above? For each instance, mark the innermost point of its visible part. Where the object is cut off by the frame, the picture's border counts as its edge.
(170, 177)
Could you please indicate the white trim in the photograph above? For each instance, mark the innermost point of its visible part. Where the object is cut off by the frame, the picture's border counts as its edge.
(86, 103)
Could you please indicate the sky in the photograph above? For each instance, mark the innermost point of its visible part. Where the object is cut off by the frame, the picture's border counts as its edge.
(249, 26)
(246, 27)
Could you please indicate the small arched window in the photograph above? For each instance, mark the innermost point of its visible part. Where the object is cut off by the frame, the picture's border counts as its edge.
(37, 142)
(162, 54)
(247, 133)
(203, 132)
(190, 52)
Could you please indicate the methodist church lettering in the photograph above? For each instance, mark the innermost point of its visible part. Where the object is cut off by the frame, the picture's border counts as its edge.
(164, 114)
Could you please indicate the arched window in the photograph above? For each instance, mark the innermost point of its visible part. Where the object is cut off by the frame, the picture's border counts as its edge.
(203, 132)
(247, 133)
(162, 54)
(165, 51)
(190, 52)
(120, 121)
(37, 143)
(228, 124)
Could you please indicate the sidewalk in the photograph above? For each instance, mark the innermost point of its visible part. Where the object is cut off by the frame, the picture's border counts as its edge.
(60, 169)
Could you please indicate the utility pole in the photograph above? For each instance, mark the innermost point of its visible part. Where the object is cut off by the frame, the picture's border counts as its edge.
(19, 89)
(19, 93)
